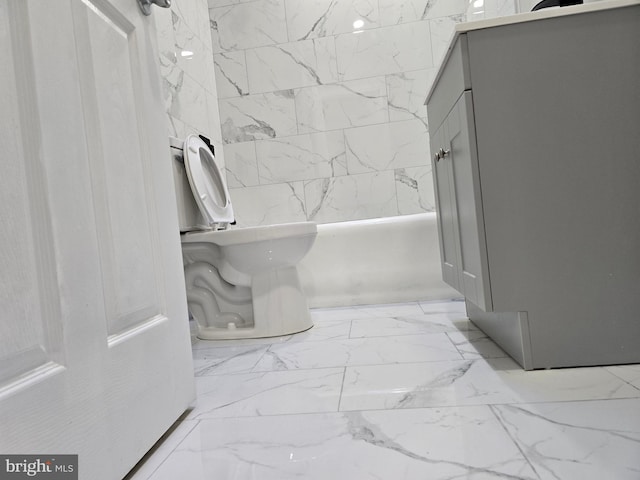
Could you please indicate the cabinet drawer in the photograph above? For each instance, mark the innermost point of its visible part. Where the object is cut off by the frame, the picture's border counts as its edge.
(453, 78)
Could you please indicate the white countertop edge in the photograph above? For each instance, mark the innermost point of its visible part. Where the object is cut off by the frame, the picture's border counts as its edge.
(525, 17)
(543, 14)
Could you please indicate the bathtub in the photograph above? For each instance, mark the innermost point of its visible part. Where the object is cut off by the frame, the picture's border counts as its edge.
(383, 260)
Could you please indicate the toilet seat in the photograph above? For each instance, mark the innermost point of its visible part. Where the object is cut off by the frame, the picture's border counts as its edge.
(207, 183)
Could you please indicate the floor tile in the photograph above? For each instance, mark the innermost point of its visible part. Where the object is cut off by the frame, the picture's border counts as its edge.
(405, 325)
(629, 373)
(437, 306)
(396, 445)
(365, 311)
(422, 394)
(473, 382)
(578, 440)
(221, 360)
(198, 343)
(268, 393)
(475, 344)
(360, 351)
(322, 331)
(387, 310)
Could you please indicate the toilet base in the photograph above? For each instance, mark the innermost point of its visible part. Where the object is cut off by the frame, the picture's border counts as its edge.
(279, 308)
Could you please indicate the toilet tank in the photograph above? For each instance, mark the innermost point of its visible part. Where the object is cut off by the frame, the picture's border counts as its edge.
(189, 216)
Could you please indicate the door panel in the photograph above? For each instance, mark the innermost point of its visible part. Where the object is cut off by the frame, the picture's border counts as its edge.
(31, 346)
(446, 208)
(473, 257)
(110, 84)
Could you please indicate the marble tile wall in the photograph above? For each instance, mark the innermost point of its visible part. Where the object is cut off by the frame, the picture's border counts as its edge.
(321, 104)
(186, 66)
(481, 9)
(318, 117)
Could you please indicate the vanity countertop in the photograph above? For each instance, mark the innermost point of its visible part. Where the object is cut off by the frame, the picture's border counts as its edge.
(543, 14)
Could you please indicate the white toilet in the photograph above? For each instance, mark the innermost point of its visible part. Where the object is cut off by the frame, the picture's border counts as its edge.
(241, 283)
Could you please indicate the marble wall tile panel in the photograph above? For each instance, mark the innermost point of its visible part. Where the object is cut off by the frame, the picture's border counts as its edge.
(248, 25)
(301, 157)
(256, 117)
(386, 146)
(383, 51)
(407, 92)
(209, 80)
(343, 105)
(414, 188)
(241, 165)
(194, 13)
(506, 7)
(191, 54)
(231, 74)
(166, 36)
(352, 197)
(269, 204)
(189, 102)
(292, 65)
(176, 127)
(442, 33)
(320, 18)
(188, 81)
(393, 12)
(214, 133)
(497, 8)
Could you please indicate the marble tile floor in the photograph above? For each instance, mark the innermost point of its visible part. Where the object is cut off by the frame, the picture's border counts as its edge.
(392, 392)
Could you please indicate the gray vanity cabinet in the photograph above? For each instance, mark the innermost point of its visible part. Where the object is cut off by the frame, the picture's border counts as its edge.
(535, 152)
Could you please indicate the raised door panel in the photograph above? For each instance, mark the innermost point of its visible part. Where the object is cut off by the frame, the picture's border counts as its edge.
(468, 200)
(112, 89)
(446, 210)
(30, 324)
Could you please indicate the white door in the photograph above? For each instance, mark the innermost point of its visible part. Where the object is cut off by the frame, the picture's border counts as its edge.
(94, 343)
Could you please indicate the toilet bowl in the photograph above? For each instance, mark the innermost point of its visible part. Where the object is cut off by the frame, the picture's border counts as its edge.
(241, 282)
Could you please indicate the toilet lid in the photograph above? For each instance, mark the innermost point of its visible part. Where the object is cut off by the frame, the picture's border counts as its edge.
(207, 181)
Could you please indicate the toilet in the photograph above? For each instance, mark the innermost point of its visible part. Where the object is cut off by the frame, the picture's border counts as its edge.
(241, 282)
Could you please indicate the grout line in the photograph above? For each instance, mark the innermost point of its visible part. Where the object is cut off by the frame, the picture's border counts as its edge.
(426, 407)
(344, 375)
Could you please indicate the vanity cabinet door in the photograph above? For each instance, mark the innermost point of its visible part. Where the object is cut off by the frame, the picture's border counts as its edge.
(448, 233)
(463, 242)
